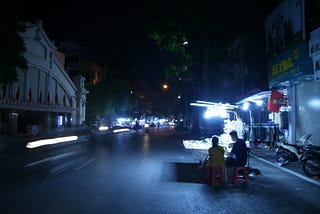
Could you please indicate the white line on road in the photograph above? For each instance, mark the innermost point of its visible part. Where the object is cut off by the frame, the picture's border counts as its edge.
(53, 158)
(85, 164)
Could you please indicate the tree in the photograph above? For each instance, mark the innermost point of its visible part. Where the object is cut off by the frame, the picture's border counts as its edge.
(175, 22)
(11, 43)
(110, 97)
(168, 33)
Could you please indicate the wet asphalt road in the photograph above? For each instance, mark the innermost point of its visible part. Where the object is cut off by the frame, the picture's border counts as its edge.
(142, 173)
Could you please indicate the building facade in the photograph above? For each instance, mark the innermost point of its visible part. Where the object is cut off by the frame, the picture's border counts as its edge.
(44, 97)
(244, 66)
(290, 66)
(293, 58)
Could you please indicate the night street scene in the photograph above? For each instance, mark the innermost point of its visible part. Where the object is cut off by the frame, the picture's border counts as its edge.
(172, 106)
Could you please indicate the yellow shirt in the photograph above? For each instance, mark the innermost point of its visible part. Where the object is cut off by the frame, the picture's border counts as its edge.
(216, 156)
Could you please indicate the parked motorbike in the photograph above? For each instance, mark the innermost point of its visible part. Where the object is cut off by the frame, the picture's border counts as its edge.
(287, 153)
(311, 163)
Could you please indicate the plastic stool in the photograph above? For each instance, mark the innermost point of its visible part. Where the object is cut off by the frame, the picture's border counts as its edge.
(211, 175)
(236, 176)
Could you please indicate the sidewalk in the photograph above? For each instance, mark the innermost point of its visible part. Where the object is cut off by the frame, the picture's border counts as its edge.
(269, 155)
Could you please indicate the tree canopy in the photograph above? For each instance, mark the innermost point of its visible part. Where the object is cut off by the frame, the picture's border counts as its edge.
(114, 96)
(189, 30)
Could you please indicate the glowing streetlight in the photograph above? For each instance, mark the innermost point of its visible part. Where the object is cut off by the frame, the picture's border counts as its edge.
(165, 86)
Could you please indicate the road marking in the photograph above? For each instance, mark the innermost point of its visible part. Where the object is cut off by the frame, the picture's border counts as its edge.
(289, 171)
(85, 164)
(53, 158)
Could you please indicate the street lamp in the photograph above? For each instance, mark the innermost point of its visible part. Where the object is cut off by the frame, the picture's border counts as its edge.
(185, 43)
(165, 86)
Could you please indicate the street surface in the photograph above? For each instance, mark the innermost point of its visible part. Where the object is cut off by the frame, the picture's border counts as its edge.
(141, 173)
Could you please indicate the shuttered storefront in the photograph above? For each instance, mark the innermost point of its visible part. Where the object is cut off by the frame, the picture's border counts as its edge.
(308, 110)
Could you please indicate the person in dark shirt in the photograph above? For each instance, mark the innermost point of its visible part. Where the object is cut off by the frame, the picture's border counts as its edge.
(238, 154)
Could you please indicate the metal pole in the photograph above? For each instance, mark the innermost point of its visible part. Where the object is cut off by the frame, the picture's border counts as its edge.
(251, 130)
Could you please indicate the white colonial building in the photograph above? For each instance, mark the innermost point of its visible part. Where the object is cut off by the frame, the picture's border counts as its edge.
(44, 97)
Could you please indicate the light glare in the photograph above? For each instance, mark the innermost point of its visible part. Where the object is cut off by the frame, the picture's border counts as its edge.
(245, 106)
(35, 144)
(259, 102)
(121, 130)
(215, 112)
(315, 103)
(103, 128)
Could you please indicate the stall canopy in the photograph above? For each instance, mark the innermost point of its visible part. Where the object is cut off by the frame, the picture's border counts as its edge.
(215, 109)
(256, 97)
(265, 131)
(212, 104)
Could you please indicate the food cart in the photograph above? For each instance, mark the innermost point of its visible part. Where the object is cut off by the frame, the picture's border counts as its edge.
(199, 147)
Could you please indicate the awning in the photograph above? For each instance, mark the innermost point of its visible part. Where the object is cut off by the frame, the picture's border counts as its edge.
(208, 104)
(255, 97)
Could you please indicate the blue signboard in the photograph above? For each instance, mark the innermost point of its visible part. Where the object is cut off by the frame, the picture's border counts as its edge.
(291, 64)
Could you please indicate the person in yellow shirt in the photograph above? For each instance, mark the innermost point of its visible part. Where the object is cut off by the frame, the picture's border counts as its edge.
(215, 159)
(215, 154)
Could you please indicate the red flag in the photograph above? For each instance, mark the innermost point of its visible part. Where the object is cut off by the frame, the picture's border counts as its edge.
(276, 101)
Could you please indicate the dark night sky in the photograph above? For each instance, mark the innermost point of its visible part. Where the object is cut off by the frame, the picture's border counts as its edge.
(118, 28)
(115, 28)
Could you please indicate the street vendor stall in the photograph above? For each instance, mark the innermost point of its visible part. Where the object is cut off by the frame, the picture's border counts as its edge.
(199, 148)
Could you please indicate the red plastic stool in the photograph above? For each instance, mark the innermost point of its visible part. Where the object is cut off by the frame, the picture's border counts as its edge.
(211, 175)
(236, 176)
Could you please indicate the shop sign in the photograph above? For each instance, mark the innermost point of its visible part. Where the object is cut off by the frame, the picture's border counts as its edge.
(314, 43)
(314, 48)
(314, 52)
(316, 67)
(289, 65)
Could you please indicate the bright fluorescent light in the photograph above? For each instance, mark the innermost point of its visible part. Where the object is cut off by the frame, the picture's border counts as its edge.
(217, 111)
(245, 106)
(259, 102)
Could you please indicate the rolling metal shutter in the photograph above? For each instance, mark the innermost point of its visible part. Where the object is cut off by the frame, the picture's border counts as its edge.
(308, 110)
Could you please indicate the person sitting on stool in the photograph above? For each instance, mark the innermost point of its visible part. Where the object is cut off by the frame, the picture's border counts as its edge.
(238, 154)
(215, 154)
(215, 159)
